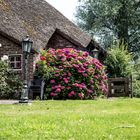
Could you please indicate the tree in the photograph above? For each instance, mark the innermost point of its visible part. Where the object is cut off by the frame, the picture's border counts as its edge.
(111, 19)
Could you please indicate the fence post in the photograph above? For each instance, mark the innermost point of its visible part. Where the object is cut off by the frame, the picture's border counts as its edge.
(131, 86)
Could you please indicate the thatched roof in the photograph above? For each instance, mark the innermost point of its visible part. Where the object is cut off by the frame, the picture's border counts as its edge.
(39, 20)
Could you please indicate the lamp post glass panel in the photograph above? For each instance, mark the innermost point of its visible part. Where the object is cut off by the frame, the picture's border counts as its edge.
(95, 53)
(26, 48)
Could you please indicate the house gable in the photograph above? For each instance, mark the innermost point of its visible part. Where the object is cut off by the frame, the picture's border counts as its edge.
(11, 47)
(61, 40)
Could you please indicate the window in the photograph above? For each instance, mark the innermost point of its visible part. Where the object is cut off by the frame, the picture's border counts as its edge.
(15, 61)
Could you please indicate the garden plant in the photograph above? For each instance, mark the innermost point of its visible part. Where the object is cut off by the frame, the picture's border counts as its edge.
(10, 83)
(118, 61)
(71, 74)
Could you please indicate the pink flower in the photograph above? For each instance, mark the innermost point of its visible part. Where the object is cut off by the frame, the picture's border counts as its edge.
(76, 66)
(53, 87)
(63, 59)
(81, 95)
(91, 81)
(69, 95)
(52, 81)
(59, 85)
(80, 58)
(75, 84)
(58, 90)
(81, 71)
(64, 74)
(57, 71)
(104, 77)
(72, 92)
(68, 57)
(53, 94)
(68, 87)
(89, 91)
(56, 75)
(96, 76)
(88, 70)
(97, 63)
(59, 50)
(85, 54)
(85, 75)
(69, 74)
(65, 80)
(62, 87)
(85, 64)
(74, 55)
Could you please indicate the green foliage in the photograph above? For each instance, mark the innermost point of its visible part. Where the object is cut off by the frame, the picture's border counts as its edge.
(118, 61)
(3, 69)
(136, 78)
(111, 19)
(112, 119)
(136, 88)
(10, 84)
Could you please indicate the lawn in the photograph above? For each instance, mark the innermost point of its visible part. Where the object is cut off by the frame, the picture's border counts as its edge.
(104, 119)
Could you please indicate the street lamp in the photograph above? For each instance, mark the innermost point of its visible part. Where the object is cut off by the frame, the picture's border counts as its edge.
(26, 48)
(95, 53)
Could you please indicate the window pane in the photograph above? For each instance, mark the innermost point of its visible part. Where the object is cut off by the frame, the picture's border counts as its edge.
(12, 65)
(11, 58)
(18, 65)
(18, 58)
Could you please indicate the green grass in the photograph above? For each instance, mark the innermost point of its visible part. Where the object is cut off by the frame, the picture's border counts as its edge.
(106, 119)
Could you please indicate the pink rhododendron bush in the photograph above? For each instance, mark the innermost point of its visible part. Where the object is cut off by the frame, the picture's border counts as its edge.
(71, 74)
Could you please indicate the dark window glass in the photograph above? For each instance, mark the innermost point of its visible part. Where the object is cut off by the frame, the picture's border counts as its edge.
(11, 58)
(12, 65)
(18, 65)
(15, 61)
(18, 58)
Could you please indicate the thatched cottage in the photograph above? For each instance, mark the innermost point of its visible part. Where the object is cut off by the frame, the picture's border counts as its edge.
(46, 26)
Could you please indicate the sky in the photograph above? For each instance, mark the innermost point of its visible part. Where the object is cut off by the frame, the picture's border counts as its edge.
(66, 7)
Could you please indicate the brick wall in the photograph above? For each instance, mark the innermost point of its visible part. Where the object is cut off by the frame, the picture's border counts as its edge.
(8, 48)
(58, 41)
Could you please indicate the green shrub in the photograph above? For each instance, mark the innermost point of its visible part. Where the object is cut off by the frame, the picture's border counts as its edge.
(136, 88)
(118, 61)
(10, 84)
(72, 74)
(3, 76)
(136, 78)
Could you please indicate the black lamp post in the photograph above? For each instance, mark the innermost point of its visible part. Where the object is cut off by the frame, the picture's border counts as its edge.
(26, 48)
(95, 53)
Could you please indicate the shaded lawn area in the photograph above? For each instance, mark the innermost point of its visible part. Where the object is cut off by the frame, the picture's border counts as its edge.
(104, 119)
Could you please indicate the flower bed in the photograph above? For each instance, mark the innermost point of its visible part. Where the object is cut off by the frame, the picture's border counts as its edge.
(72, 74)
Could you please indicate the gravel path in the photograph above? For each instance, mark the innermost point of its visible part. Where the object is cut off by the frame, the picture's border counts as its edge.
(9, 101)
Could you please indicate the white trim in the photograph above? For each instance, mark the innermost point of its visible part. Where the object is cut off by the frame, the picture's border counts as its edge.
(21, 61)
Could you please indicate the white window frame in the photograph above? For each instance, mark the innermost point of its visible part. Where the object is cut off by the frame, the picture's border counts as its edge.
(15, 56)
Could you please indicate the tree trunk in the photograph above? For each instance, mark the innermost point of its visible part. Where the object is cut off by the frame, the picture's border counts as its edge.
(122, 24)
